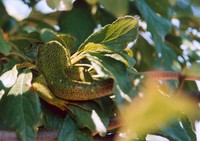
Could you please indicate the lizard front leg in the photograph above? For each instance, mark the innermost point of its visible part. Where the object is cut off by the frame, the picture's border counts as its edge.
(49, 97)
(45, 93)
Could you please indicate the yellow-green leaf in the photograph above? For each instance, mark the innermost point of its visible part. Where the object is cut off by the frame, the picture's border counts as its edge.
(115, 36)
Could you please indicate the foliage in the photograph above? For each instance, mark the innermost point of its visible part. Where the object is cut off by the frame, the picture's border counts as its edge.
(110, 39)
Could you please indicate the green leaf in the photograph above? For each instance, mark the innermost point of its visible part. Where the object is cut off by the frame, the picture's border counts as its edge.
(5, 47)
(193, 70)
(83, 118)
(78, 22)
(30, 2)
(184, 7)
(118, 71)
(127, 60)
(20, 108)
(175, 132)
(47, 34)
(60, 4)
(115, 7)
(143, 54)
(157, 25)
(9, 78)
(51, 118)
(2, 91)
(94, 119)
(100, 127)
(163, 51)
(190, 86)
(70, 132)
(115, 36)
(187, 125)
(39, 24)
(96, 47)
(4, 16)
(103, 103)
(158, 7)
(66, 39)
(105, 17)
(195, 2)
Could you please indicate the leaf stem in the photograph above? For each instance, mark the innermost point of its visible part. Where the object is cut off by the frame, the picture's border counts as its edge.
(77, 57)
(83, 65)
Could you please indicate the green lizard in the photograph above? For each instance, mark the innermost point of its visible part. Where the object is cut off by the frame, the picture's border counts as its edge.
(56, 86)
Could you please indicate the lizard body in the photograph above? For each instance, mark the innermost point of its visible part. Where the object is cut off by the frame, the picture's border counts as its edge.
(57, 85)
(58, 82)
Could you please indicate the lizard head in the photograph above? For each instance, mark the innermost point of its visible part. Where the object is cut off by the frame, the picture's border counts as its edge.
(32, 50)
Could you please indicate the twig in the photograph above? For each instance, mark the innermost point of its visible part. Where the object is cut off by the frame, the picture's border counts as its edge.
(167, 75)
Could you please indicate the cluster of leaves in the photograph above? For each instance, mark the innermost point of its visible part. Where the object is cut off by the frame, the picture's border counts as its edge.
(157, 47)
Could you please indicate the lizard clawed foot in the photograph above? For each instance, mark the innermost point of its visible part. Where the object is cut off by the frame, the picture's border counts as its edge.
(63, 105)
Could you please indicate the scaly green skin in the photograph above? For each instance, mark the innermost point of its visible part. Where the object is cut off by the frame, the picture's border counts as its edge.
(52, 62)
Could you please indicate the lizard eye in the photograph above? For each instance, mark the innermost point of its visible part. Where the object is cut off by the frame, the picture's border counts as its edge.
(32, 50)
(36, 45)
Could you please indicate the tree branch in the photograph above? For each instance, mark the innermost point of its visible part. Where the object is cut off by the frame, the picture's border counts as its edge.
(167, 75)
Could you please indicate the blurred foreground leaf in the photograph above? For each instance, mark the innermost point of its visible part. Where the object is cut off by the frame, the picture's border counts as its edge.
(154, 110)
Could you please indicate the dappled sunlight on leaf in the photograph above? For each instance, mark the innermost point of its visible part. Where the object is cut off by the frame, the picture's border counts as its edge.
(91, 117)
(98, 123)
(9, 78)
(121, 94)
(95, 47)
(22, 85)
(153, 110)
(60, 5)
(20, 108)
